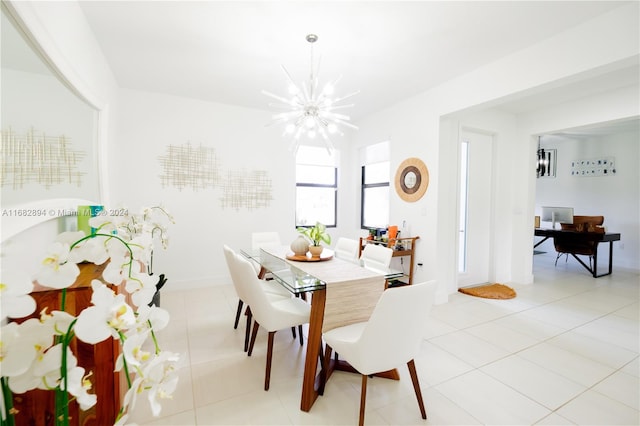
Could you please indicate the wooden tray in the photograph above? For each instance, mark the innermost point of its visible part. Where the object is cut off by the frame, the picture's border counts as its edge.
(325, 255)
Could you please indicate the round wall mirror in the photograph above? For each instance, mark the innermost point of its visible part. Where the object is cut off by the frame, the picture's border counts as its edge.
(412, 179)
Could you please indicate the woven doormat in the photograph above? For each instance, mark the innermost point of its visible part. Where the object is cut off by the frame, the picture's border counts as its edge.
(490, 291)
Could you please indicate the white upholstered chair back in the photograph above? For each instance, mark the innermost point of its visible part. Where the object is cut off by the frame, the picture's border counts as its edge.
(264, 239)
(375, 256)
(347, 249)
(395, 330)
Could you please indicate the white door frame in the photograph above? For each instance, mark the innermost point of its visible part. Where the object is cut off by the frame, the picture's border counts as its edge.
(462, 278)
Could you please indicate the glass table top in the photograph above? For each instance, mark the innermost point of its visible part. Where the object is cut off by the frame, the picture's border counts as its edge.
(294, 279)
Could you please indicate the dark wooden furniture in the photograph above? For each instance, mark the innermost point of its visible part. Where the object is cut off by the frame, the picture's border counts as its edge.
(37, 407)
(403, 247)
(575, 237)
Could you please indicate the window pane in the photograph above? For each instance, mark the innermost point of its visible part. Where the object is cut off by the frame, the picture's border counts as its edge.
(315, 205)
(375, 207)
(321, 175)
(376, 173)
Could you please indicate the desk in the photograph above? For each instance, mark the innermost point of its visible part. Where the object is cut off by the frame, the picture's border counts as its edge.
(583, 236)
(302, 277)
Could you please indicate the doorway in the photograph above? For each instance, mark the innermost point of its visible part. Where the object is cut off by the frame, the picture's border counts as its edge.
(476, 205)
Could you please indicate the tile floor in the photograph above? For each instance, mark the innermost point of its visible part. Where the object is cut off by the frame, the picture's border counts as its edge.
(564, 351)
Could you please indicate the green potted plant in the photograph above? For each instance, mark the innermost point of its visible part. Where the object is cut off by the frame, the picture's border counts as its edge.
(316, 234)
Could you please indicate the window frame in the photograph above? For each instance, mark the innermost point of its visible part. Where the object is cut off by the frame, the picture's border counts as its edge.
(363, 187)
(319, 185)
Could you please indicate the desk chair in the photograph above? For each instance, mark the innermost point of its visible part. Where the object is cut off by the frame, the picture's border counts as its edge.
(391, 337)
(570, 246)
(346, 249)
(270, 313)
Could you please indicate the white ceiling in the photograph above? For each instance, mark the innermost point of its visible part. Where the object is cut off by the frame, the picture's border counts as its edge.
(228, 51)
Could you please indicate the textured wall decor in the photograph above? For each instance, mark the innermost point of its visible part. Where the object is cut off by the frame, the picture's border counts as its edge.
(250, 190)
(37, 158)
(185, 166)
(603, 166)
(188, 166)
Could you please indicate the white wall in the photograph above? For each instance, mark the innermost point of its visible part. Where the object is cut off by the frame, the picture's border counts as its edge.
(614, 197)
(414, 127)
(149, 122)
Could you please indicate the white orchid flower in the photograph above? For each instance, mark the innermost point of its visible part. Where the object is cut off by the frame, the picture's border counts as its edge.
(133, 350)
(15, 301)
(78, 385)
(117, 270)
(158, 317)
(161, 378)
(57, 321)
(43, 371)
(47, 368)
(141, 286)
(15, 354)
(131, 396)
(108, 316)
(142, 246)
(91, 250)
(57, 271)
(21, 344)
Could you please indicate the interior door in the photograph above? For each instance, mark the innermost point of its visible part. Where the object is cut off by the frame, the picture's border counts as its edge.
(476, 200)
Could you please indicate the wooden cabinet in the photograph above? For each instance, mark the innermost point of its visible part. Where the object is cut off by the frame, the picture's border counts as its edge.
(37, 407)
(404, 247)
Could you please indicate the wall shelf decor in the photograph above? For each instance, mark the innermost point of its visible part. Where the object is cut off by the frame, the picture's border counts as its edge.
(591, 167)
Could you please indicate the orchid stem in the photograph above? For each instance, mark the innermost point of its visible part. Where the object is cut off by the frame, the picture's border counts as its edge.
(7, 396)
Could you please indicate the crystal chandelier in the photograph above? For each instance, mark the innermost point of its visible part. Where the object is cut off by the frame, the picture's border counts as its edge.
(310, 110)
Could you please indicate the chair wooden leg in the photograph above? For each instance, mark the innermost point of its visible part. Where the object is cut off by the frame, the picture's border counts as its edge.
(300, 334)
(416, 387)
(267, 371)
(293, 332)
(238, 312)
(247, 330)
(363, 399)
(325, 361)
(253, 337)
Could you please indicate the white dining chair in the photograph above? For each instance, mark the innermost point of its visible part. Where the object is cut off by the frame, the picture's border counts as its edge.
(265, 239)
(346, 249)
(376, 257)
(272, 314)
(273, 290)
(391, 337)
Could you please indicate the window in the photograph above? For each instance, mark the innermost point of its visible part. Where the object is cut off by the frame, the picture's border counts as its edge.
(316, 186)
(375, 186)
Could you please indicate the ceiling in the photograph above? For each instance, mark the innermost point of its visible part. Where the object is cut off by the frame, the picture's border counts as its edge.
(228, 52)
